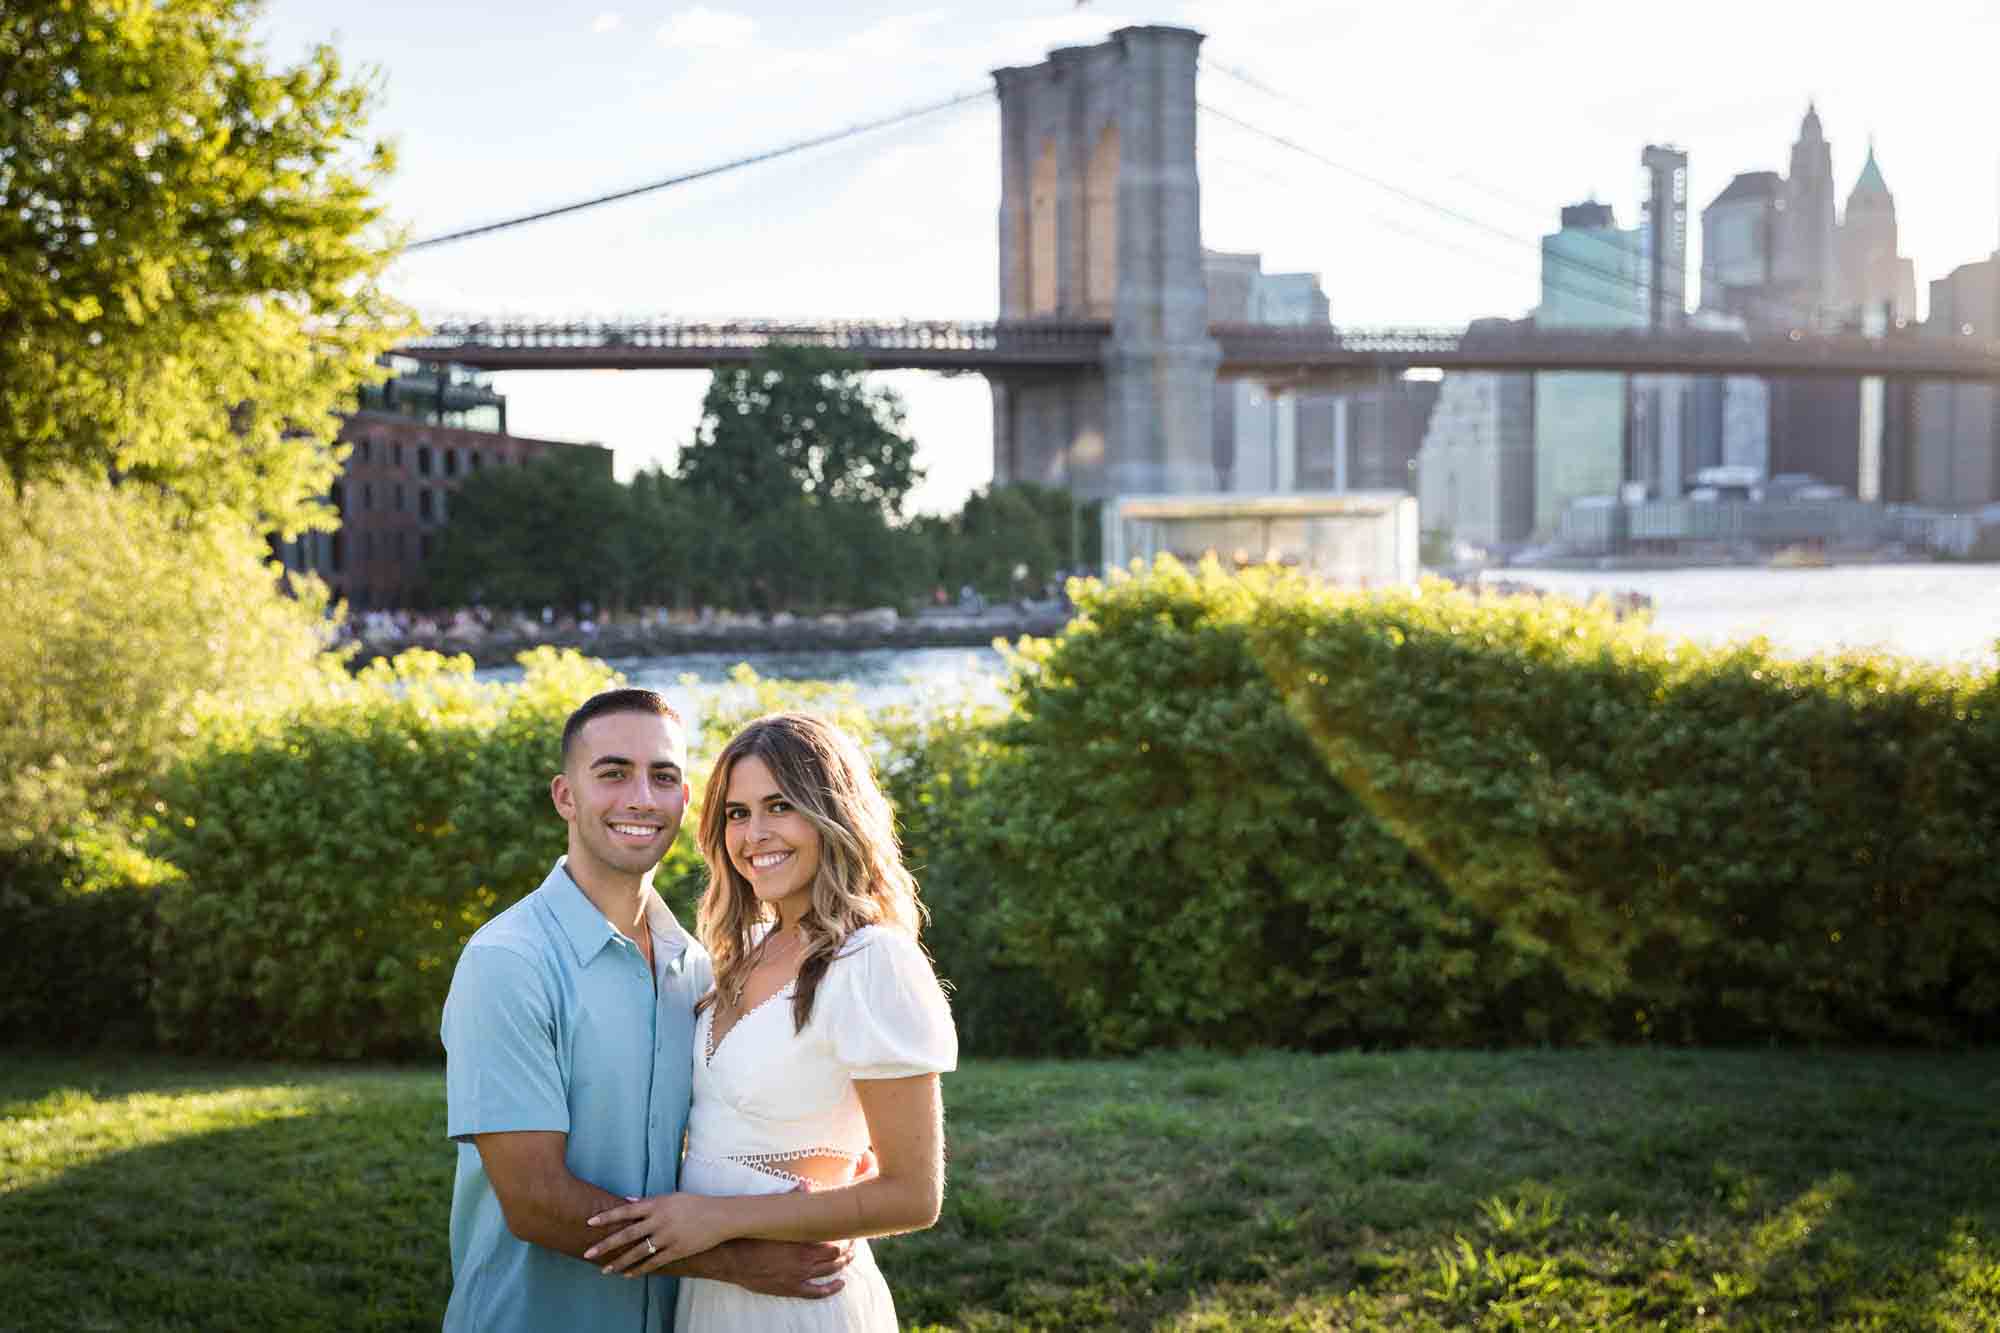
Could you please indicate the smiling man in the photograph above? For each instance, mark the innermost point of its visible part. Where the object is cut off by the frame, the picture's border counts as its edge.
(568, 1039)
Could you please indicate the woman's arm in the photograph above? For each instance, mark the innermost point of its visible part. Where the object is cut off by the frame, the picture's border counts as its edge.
(906, 1125)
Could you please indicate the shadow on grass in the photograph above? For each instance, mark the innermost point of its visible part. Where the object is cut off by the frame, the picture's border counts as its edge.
(317, 1216)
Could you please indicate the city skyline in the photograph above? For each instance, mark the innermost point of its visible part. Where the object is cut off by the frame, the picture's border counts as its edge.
(605, 99)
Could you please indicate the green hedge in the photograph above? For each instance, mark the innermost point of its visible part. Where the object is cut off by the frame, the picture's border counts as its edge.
(1243, 810)
(336, 859)
(1228, 810)
(78, 913)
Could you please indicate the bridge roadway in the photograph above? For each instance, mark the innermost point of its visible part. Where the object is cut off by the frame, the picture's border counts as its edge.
(1284, 354)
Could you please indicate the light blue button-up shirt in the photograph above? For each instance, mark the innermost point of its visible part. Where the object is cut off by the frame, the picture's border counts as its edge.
(552, 1023)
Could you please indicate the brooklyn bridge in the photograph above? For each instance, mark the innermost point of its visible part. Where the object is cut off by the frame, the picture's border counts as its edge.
(1103, 360)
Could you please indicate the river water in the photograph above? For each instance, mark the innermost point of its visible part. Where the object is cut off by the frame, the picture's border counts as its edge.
(1942, 613)
(694, 683)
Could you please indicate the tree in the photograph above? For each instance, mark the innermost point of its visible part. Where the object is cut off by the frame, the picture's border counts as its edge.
(127, 621)
(1004, 527)
(800, 422)
(557, 532)
(189, 255)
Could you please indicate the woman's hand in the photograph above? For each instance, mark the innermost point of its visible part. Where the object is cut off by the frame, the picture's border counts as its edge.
(656, 1231)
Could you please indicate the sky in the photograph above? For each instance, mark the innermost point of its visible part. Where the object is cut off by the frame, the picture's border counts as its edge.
(1443, 136)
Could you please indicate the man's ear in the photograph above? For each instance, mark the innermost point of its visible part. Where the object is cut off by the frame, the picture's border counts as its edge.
(564, 798)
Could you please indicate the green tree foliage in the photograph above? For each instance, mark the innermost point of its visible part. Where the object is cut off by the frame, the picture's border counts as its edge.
(559, 531)
(1002, 529)
(800, 422)
(127, 624)
(188, 255)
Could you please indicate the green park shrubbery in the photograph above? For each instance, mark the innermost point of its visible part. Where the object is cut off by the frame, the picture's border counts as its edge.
(1251, 810)
(131, 623)
(335, 858)
(1228, 810)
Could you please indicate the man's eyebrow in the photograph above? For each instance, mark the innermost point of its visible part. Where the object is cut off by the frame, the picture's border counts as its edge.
(604, 759)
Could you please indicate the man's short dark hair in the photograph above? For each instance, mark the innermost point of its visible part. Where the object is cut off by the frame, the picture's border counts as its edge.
(617, 701)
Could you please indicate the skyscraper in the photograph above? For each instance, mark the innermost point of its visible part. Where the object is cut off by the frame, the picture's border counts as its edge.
(1739, 248)
(1807, 269)
(1666, 224)
(1256, 440)
(1593, 276)
(1662, 449)
(1875, 281)
(1476, 472)
(1956, 453)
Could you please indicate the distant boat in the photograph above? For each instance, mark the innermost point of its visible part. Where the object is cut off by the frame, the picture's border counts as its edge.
(1799, 557)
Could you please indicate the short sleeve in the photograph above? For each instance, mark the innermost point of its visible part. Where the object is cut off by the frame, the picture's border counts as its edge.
(890, 1019)
(501, 1071)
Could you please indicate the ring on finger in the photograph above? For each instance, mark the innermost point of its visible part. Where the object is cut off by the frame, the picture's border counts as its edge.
(651, 1249)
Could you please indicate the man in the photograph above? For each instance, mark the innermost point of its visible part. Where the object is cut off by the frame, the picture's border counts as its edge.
(568, 1037)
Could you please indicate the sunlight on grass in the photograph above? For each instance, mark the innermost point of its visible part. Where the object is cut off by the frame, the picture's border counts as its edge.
(69, 1128)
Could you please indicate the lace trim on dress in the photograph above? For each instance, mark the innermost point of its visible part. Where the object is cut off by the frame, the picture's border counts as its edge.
(713, 1043)
(771, 1163)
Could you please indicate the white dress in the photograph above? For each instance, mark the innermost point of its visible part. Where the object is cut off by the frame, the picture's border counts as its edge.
(766, 1096)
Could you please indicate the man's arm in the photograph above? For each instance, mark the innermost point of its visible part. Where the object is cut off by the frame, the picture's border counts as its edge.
(545, 1205)
(771, 1267)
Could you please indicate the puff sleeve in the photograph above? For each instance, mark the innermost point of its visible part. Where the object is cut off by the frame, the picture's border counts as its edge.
(890, 1019)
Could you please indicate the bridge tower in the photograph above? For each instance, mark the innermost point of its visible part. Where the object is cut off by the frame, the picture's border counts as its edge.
(1100, 219)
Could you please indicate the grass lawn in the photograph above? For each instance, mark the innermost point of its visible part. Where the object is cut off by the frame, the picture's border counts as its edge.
(1415, 1190)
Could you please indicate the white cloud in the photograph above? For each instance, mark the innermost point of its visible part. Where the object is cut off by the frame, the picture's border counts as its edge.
(705, 29)
(893, 36)
(609, 21)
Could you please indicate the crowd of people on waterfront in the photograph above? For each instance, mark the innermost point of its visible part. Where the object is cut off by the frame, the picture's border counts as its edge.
(466, 627)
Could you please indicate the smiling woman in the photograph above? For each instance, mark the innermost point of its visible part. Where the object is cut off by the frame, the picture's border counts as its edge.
(808, 898)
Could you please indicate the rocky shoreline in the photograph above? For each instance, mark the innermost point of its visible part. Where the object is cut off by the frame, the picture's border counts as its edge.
(746, 634)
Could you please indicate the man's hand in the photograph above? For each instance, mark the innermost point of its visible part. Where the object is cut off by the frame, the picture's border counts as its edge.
(773, 1267)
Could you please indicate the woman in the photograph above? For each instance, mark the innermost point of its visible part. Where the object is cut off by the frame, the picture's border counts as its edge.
(824, 1036)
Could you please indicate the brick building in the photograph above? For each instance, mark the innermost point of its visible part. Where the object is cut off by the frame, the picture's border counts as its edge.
(414, 440)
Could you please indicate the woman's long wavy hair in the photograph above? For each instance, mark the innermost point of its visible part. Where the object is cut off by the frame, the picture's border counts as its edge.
(861, 879)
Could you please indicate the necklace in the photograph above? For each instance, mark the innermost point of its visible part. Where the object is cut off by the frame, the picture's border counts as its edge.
(764, 952)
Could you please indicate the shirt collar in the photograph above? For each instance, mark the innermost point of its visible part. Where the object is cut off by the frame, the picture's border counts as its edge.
(589, 930)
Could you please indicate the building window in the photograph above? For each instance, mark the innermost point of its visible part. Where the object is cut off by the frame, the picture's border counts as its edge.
(472, 462)
(402, 547)
(423, 460)
(441, 496)
(367, 546)
(340, 498)
(337, 555)
(399, 497)
(367, 496)
(451, 462)
(395, 455)
(425, 508)
(426, 544)
(361, 452)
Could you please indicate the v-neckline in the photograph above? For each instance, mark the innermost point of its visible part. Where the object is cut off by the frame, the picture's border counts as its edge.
(715, 1042)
